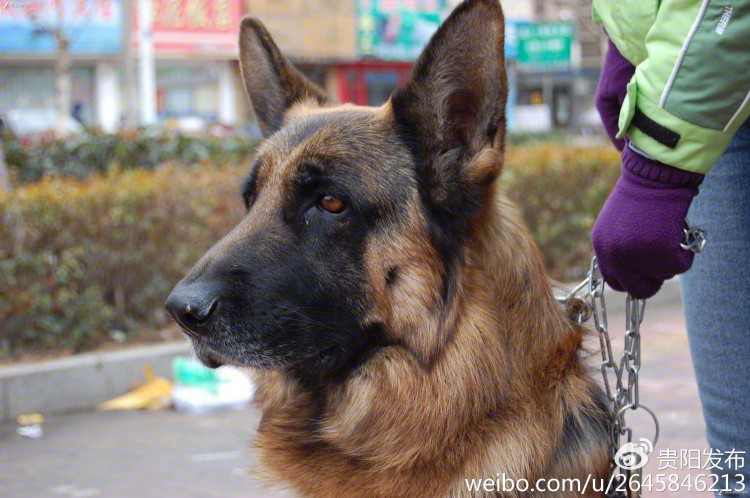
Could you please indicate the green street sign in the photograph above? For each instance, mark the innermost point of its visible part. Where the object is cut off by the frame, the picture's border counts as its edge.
(545, 45)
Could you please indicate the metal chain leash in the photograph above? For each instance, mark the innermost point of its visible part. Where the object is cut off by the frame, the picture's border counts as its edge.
(621, 377)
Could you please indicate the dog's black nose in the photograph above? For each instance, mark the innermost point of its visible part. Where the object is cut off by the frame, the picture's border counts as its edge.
(192, 306)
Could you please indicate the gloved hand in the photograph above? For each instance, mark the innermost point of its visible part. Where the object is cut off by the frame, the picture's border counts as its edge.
(638, 232)
(617, 72)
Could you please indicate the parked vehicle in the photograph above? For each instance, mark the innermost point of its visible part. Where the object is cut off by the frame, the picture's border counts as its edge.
(31, 122)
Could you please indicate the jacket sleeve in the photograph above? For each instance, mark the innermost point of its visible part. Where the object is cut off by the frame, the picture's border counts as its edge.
(691, 92)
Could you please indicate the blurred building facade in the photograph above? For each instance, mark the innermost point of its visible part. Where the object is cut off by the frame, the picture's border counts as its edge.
(569, 93)
(195, 51)
(317, 35)
(358, 50)
(27, 55)
(590, 35)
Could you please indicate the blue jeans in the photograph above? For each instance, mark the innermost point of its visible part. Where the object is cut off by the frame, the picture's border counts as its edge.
(716, 293)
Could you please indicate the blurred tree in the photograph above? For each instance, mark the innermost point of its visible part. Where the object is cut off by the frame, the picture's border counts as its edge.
(64, 35)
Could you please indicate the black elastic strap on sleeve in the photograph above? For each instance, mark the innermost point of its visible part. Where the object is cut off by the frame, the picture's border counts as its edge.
(660, 133)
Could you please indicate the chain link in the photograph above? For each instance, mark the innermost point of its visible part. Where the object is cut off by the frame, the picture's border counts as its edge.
(693, 238)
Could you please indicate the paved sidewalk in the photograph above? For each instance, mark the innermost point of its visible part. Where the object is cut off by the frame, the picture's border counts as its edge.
(165, 454)
(158, 454)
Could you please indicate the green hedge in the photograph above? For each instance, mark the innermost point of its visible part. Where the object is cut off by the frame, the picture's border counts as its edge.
(78, 157)
(79, 258)
(560, 190)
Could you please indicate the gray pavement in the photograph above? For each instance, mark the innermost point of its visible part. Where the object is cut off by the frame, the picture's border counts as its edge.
(166, 454)
(149, 454)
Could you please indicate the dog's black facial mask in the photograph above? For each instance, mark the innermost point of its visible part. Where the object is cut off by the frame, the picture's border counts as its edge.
(288, 284)
(310, 278)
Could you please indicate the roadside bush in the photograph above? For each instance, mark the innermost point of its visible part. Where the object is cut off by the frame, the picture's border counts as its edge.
(80, 156)
(560, 190)
(79, 258)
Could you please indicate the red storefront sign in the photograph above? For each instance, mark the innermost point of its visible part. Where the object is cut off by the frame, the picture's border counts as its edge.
(184, 27)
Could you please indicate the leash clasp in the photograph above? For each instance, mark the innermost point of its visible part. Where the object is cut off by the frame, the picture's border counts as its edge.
(693, 238)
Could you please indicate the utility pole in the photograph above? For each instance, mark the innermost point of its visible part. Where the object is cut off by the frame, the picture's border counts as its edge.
(147, 72)
(130, 93)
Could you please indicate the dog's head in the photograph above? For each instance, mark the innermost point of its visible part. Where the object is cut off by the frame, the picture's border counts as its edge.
(356, 216)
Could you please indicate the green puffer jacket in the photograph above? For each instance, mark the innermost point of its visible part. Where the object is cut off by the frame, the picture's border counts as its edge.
(691, 88)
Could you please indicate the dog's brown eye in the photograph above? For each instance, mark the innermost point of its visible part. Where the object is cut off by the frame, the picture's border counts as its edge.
(331, 203)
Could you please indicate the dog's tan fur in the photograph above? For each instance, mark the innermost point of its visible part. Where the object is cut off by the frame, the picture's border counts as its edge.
(487, 382)
(493, 401)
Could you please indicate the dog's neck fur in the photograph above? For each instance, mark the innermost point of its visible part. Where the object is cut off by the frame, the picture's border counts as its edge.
(506, 263)
(383, 431)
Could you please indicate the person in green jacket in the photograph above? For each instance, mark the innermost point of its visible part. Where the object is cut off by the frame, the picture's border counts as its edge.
(674, 97)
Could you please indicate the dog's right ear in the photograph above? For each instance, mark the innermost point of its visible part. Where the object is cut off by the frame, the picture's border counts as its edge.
(271, 81)
(453, 108)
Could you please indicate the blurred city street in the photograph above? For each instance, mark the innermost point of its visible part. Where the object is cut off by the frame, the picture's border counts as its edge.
(167, 454)
(125, 132)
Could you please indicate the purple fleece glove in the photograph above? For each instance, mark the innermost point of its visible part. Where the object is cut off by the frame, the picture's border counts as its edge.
(617, 72)
(638, 232)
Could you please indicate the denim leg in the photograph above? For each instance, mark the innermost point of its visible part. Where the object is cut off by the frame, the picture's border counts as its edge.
(716, 293)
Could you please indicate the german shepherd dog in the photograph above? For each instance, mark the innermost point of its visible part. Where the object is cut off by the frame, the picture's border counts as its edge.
(394, 309)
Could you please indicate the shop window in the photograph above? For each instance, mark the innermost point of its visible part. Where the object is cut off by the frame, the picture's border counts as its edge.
(371, 82)
(188, 91)
(380, 85)
(34, 87)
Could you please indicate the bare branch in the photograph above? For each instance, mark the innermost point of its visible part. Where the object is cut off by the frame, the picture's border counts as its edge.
(60, 29)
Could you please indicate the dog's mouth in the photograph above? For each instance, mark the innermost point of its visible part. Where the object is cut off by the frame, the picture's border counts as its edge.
(209, 357)
(321, 358)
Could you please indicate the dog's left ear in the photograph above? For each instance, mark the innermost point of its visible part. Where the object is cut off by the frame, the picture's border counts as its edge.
(453, 107)
(271, 81)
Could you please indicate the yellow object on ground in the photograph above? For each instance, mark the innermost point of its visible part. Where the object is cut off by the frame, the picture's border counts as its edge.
(30, 425)
(153, 395)
(30, 419)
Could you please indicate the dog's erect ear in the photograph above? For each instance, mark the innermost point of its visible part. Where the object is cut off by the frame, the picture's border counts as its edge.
(272, 82)
(454, 104)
